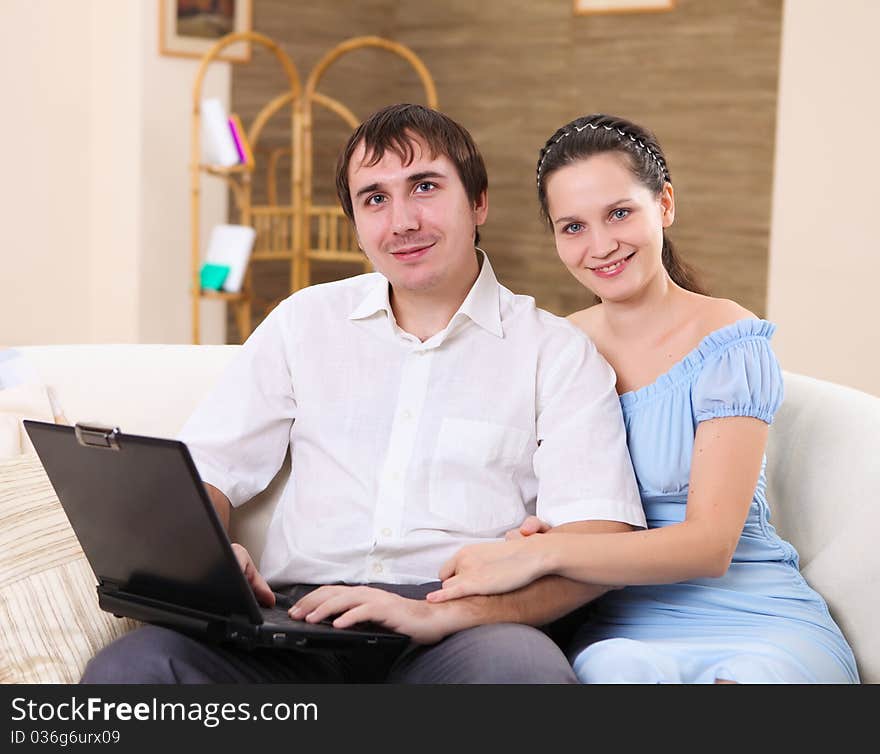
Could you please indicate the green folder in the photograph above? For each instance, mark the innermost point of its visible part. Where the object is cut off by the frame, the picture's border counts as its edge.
(213, 276)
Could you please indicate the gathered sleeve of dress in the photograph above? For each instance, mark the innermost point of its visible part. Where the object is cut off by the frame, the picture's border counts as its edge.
(740, 376)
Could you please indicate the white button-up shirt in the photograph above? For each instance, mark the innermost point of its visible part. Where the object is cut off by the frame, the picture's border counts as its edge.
(404, 451)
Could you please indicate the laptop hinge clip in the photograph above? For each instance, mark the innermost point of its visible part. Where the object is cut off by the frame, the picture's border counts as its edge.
(97, 436)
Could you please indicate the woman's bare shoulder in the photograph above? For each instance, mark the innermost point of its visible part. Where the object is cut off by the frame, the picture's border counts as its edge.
(587, 320)
(715, 313)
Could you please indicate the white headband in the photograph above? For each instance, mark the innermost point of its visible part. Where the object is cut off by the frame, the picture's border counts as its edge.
(623, 134)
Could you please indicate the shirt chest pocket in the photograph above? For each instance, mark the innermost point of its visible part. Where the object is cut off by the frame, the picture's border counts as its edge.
(472, 485)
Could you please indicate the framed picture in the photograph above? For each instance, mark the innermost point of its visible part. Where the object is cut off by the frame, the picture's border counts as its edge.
(188, 28)
(586, 7)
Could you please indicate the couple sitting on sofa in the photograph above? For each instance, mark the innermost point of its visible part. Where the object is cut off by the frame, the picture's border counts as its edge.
(461, 472)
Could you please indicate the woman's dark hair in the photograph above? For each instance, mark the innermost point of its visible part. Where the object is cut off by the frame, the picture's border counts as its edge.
(598, 133)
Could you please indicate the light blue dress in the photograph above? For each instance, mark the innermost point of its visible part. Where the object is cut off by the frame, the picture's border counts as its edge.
(760, 622)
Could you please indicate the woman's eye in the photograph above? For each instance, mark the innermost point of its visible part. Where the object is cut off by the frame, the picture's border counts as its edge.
(573, 228)
(620, 213)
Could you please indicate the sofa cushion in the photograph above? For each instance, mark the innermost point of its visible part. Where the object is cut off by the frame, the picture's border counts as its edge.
(27, 401)
(144, 389)
(50, 622)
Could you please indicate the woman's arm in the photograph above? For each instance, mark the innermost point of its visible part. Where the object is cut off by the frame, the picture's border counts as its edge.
(536, 604)
(725, 465)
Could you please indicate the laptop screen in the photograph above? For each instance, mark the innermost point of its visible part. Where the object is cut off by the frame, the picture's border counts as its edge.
(144, 520)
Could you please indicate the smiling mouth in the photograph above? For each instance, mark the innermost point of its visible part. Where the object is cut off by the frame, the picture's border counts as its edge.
(412, 251)
(614, 265)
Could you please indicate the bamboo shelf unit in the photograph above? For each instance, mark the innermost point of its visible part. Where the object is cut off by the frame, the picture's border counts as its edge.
(301, 232)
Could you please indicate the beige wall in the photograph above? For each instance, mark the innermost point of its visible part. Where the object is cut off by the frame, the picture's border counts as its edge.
(824, 253)
(112, 222)
(95, 202)
(44, 196)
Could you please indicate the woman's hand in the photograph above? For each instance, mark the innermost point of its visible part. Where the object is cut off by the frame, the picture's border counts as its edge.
(493, 568)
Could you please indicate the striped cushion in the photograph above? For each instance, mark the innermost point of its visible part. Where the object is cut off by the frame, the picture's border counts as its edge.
(50, 622)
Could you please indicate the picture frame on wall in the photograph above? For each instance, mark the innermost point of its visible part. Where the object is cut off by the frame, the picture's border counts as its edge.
(189, 28)
(587, 7)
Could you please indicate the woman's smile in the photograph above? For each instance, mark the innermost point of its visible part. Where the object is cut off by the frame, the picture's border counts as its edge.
(614, 269)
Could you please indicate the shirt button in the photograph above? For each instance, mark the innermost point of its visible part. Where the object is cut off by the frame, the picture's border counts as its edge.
(386, 532)
(395, 476)
(407, 414)
(377, 568)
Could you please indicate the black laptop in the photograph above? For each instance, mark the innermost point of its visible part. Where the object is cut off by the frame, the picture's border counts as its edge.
(157, 546)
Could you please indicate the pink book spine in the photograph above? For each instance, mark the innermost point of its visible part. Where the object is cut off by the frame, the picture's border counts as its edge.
(237, 139)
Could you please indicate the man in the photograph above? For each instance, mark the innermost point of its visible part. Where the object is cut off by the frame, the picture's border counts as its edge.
(425, 407)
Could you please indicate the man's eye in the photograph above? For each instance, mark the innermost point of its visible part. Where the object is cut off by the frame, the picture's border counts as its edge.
(376, 199)
(425, 186)
(620, 213)
(573, 228)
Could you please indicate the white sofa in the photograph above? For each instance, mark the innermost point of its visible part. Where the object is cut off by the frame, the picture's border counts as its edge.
(822, 470)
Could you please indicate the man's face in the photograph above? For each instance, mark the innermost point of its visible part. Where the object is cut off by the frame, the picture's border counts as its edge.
(415, 222)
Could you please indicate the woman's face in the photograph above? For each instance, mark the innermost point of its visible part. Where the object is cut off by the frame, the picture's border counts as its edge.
(608, 226)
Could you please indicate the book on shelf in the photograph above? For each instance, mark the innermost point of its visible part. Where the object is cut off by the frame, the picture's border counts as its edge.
(212, 276)
(219, 143)
(230, 246)
(239, 136)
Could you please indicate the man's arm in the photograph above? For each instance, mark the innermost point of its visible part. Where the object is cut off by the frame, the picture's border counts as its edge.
(221, 504)
(261, 588)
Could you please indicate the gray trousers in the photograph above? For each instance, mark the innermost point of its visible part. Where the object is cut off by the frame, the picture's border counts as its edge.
(494, 653)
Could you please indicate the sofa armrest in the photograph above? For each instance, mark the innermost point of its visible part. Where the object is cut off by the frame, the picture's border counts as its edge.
(823, 481)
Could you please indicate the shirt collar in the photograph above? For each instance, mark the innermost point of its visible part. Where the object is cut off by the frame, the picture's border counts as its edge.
(482, 305)
(483, 302)
(376, 300)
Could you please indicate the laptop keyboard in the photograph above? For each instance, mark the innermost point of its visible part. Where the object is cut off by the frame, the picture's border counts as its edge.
(283, 601)
(274, 614)
(278, 613)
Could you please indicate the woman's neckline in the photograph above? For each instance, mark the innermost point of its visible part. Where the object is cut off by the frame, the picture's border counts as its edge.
(632, 395)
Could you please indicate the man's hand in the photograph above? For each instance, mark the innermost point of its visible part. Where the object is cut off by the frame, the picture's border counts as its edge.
(493, 568)
(423, 623)
(264, 594)
(530, 525)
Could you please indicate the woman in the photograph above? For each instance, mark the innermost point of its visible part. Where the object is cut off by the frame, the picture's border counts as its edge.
(713, 594)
